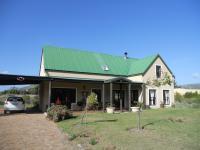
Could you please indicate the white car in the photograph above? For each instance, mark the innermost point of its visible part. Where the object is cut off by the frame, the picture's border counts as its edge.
(14, 103)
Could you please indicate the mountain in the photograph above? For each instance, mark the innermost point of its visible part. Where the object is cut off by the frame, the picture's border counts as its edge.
(191, 86)
(26, 88)
(30, 89)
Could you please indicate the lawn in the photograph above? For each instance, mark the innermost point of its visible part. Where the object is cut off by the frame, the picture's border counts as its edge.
(170, 128)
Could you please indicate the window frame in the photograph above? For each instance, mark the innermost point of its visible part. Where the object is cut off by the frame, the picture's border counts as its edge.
(164, 98)
(157, 65)
(155, 98)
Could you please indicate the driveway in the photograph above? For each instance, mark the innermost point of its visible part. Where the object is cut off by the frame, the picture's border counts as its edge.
(31, 132)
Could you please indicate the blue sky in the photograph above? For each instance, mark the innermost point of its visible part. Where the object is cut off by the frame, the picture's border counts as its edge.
(140, 27)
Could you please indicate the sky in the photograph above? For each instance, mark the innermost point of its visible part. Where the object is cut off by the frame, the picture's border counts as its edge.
(140, 27)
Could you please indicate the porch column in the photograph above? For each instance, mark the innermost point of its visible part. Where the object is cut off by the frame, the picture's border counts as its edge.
(103, 96)
(129, 97)
(111, 98)
(120, 97)
(49, 96)
(142, 99)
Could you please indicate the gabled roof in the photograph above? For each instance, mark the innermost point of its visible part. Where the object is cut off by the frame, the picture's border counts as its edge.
(72, 60)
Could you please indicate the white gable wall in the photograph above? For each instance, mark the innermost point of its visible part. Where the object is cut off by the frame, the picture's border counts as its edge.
(151, 75)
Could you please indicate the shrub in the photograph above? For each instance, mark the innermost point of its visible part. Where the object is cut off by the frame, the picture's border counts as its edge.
(195, 105)
(58, 113)
(71, 137)
(92, 101)
(140, 105)
(191, 95)
(93, 141)
(26, 98)
(178, 97)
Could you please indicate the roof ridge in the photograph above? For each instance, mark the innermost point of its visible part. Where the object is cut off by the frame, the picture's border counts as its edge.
(88, 51)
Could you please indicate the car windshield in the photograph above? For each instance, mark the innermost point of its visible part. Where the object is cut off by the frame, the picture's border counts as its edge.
(19, 99)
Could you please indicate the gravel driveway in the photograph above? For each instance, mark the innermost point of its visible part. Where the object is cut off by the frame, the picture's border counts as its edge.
(31, 132)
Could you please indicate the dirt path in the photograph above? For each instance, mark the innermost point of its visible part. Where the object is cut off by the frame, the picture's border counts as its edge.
(31, 132)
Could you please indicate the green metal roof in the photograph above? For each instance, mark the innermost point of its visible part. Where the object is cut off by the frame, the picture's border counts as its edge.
(65, 59)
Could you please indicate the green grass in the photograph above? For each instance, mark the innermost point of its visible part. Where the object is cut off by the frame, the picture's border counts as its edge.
(163, 129)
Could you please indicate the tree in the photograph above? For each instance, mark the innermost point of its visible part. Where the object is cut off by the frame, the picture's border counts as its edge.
(139, 114)
(91, 103)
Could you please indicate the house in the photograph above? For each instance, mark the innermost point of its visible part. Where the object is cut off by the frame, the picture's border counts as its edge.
(118, 81)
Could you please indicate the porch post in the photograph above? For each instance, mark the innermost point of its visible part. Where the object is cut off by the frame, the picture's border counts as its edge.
(120, 97)
(129, 97)
(103, 93)
(143, 94)
(111, 98)
(49, 97)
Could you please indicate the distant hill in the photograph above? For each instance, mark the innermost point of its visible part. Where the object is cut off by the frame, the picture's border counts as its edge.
(28, 87)
(191, 86)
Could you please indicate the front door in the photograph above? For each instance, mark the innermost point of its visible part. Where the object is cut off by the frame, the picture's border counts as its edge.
(134, 97)
(117, 95)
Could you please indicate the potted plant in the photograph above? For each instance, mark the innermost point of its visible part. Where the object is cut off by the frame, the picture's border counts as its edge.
(110, 109)
(137, 107)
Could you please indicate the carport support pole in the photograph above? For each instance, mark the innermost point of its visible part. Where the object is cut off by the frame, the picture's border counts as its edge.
(103, 93)
(49, 100)
(129, 96)
(111, 103)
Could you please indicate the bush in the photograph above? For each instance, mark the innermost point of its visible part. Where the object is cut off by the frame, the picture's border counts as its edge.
(93, 141)
(71, 137)
(191, 95)
(35, 101)
(26, 98)
(92, 101)
(189, 99)
(58, 113)
(141, 105)
(178, 97)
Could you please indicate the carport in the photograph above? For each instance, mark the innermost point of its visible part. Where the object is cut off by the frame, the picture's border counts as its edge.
(45, 85)
(8, 79)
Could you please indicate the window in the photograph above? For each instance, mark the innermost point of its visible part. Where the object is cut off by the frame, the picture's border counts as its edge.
(166, 98)
(152, 97)
(105, 68)
(66, 96)
(158, 71)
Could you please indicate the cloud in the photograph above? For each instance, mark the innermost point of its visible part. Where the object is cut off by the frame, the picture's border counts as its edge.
(4, 72)
(196, 75)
